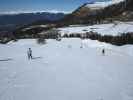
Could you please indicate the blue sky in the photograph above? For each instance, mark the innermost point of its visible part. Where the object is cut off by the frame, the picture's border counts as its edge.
(40, 5)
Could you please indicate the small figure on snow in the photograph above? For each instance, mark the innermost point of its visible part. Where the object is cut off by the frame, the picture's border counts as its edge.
(103, 51)
(81, 45)
(29, 53)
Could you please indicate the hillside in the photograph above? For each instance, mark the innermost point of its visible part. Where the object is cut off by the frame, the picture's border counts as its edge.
(97, 12)
(111, 12)
(100, 13)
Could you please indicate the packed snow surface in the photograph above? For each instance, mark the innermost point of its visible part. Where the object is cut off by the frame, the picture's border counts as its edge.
(64, 71)
(114, 29)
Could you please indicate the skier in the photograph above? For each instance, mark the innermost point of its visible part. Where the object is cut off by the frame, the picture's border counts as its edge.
(29, 53)
(81, 45)
(103, 51)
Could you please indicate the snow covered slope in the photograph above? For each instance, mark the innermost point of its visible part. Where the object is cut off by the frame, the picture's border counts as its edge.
(64, 71)
(100, 5)
(114, 29)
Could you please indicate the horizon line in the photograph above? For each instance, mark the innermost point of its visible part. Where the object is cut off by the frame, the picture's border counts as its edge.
(33, 11)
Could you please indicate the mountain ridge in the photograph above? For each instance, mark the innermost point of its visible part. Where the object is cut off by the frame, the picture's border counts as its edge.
(84, 15)
(11, 21)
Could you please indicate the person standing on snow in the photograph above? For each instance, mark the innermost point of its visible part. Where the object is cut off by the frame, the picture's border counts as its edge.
(103, 51)
(29, 53)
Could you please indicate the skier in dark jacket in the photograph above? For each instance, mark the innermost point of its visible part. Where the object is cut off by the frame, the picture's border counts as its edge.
(103, 51)
(29, 53)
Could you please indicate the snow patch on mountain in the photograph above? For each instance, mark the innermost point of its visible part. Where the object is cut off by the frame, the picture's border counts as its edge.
(100, 5)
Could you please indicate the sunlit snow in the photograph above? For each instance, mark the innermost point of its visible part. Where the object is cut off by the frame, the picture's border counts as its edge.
(64, 71)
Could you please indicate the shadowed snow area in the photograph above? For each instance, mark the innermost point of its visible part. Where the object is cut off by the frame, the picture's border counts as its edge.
(64, 71)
